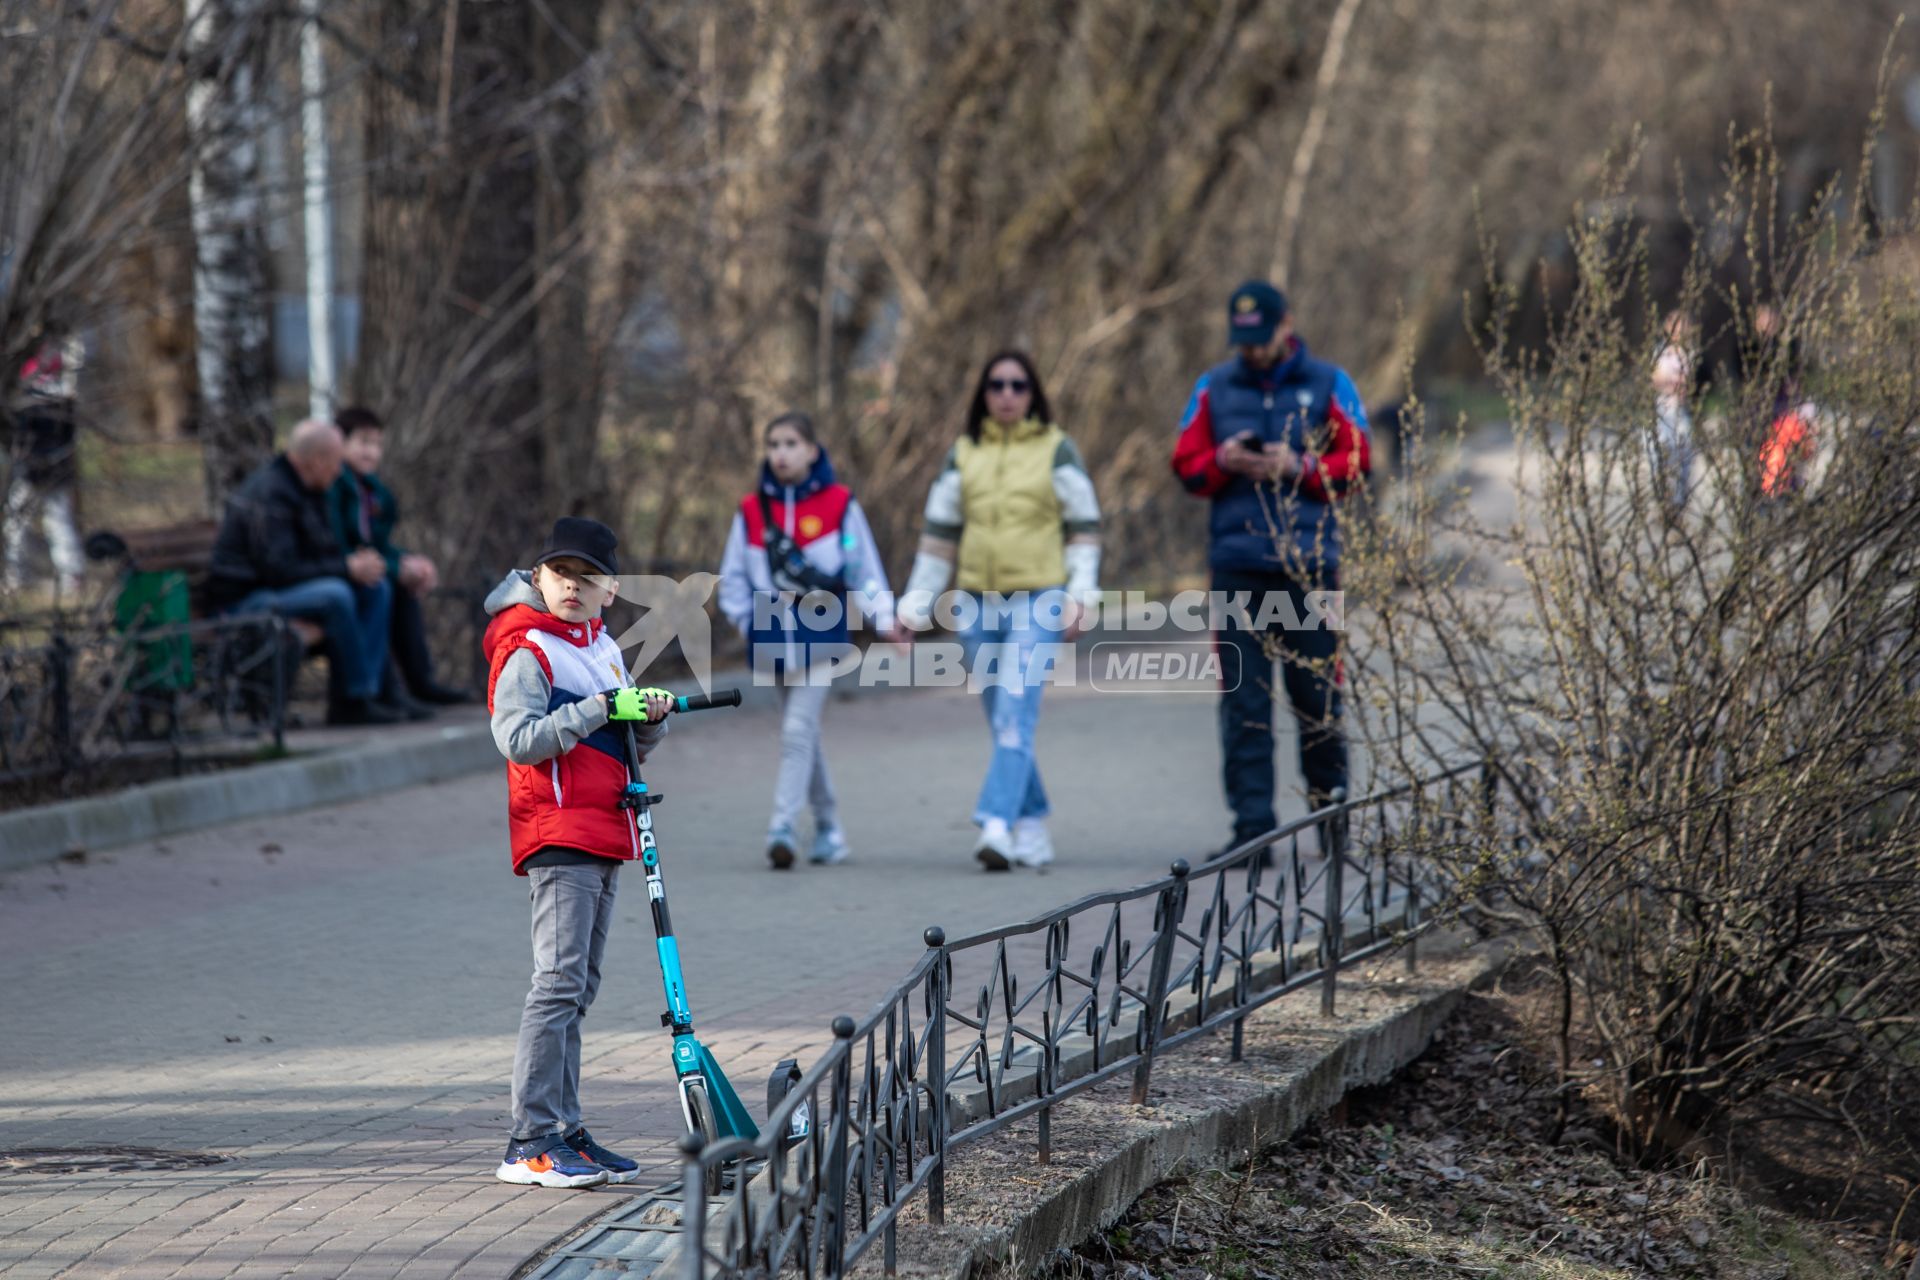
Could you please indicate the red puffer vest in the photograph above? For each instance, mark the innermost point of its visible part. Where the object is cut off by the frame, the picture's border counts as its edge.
(573, 799)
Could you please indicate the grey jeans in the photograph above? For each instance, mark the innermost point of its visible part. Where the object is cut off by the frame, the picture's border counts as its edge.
(572, 907)
(803, 776)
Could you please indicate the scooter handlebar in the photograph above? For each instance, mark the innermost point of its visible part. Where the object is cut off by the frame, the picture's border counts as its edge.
(631, 704)
(708, 701)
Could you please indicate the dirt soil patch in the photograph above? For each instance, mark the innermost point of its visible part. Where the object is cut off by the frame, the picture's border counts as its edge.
(1452, 1170)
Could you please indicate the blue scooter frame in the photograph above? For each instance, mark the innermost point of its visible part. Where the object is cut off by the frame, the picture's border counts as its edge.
(707, 1100)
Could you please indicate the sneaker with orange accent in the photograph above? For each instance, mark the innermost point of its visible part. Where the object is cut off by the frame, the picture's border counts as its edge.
(548, 1162)
(619, 1168)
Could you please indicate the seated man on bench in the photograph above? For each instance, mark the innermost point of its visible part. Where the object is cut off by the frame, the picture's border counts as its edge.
(276, 553)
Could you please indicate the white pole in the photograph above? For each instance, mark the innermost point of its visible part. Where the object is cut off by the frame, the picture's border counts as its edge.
(319, 216)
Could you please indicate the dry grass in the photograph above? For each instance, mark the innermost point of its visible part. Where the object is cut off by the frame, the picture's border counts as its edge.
(1451, 1170)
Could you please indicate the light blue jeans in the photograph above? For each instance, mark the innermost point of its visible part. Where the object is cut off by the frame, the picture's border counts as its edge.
(803, 762)
(1000, 640)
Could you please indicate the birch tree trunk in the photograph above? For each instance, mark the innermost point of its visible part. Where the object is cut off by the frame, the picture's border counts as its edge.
(227, 114)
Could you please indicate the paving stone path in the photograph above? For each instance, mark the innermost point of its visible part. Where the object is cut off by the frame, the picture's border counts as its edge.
(327, 1001)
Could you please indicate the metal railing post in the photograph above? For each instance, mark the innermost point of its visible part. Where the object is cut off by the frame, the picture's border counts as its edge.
(936, 940)
(834, 1235)
(693, 1215)
(280, 633)
(1333, 846)
(1418, 825)
(898, 1053)
(1172, 900)
(1413, 920)
(60, 677)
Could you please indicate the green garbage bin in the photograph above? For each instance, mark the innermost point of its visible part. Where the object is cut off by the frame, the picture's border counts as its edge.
(148, 600)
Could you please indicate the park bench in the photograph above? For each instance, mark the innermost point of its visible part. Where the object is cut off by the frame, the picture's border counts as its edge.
(162, 594)
(169, 563)
(146, 677)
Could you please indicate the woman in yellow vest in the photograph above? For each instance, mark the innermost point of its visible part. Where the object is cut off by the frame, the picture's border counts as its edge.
(1014, 509)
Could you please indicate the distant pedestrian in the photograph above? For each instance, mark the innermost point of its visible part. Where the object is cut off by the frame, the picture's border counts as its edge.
(1790, 445)
(1787, 455)
(1673, 374)
(1274, 438)
(45, 468)
(1014, 507)
(800, 558)
(551, 668)
(1776, 362)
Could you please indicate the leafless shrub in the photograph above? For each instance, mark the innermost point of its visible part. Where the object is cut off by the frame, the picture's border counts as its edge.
(1700, 717)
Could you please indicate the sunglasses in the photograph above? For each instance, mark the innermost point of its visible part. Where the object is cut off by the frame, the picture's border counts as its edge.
(1016, 385)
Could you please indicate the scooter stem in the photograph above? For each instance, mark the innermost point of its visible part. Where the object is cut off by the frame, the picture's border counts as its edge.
(679, 1015)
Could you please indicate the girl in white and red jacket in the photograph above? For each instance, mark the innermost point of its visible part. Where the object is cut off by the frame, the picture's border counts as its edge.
(799, 568)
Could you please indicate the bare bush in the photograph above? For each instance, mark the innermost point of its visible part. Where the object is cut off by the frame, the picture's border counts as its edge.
(1700, 716)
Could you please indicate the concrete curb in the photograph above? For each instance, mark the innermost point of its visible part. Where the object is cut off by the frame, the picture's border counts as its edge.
(186, 804)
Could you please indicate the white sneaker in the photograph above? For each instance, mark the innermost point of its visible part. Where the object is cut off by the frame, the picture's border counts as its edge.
(1032, 846)
(994, 849)
(829, 846)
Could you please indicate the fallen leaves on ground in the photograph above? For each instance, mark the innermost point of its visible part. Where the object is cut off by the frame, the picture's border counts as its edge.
(1464, 1165)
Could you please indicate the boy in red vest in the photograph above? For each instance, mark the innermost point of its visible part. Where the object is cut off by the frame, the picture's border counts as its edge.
(551, 665)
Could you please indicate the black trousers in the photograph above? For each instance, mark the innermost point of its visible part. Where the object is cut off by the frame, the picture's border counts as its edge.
(1310, 675)
(407, 661)
(407, 637)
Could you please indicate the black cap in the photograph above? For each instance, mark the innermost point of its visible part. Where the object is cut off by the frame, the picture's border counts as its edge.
(1253, 312)
(582, 539)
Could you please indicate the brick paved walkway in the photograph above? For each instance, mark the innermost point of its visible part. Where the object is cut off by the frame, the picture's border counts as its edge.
(330, 999)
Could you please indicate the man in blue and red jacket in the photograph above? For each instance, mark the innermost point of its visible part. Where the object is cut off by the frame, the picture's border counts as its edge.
(1274, 438)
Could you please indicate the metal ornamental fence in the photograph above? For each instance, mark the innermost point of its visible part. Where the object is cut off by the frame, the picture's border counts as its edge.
(112, 695)
(990, 1029)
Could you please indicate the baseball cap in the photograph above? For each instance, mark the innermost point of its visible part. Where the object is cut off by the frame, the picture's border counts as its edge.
(582, 539)
(1253, 312)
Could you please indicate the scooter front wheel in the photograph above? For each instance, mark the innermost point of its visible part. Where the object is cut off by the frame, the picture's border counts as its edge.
(700, 1119)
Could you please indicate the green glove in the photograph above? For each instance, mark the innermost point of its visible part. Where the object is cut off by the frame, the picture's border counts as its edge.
(631, 704)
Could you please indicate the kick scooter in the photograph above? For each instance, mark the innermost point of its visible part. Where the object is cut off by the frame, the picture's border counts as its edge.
(711, 1107)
